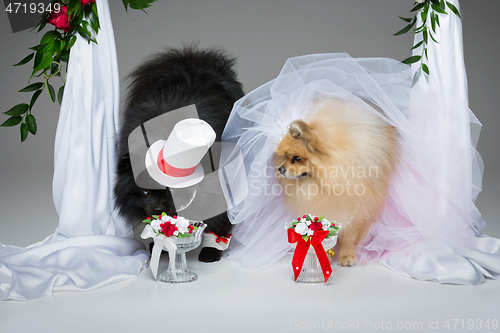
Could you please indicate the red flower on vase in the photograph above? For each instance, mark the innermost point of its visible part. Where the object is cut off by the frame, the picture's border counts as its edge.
(316, 226)
(60, 19)
(167, 228)
(87, 2)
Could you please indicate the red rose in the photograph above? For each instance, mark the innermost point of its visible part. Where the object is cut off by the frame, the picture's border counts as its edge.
(167, 228)
(316, 226)
(86, 2)
(60, 19)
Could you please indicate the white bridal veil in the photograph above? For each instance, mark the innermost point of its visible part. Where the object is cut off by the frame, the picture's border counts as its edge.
(91, 247)
(430, 227)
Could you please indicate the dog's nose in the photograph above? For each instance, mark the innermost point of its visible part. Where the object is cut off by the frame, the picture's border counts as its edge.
(282, 170)
(156, 211)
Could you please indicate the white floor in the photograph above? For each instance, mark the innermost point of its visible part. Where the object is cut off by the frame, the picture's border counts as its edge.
(227, 298)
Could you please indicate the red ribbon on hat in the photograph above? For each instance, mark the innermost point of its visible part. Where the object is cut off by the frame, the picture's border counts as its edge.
(301, 251)
(224, 239)
(173, 171)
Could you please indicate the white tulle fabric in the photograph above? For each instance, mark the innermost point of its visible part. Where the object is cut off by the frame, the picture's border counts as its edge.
(91, 247)
(430, 227)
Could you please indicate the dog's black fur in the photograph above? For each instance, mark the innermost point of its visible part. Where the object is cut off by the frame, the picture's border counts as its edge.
(167, 81)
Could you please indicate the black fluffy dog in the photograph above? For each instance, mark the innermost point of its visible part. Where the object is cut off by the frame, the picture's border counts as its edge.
(167, 81)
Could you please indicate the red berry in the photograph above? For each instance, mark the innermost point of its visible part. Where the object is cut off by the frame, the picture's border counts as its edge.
(175, 216)
(148, 218)
(191, 231)
(298, 218)
(175, 228)
(304, 216)
(316, 218)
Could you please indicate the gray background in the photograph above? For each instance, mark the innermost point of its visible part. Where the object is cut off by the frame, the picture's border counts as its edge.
(262, 34)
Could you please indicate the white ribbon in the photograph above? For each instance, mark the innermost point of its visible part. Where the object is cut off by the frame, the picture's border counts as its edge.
(160, 242)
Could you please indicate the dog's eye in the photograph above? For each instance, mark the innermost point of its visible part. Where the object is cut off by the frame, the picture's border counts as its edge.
(297, 159)
(146, 192)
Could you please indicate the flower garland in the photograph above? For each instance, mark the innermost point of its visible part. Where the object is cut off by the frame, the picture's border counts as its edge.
(70, 18)
(429, 11)
(308, 224)
(168, 226)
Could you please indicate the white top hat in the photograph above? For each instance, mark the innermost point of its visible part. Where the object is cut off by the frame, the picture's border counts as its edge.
(176, 162)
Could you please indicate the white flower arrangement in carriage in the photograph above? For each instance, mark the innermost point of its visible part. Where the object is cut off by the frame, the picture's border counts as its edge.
(175, 235)
(167, 226)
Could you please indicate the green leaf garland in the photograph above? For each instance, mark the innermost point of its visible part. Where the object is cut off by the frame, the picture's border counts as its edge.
(52, 53)
(429, 11)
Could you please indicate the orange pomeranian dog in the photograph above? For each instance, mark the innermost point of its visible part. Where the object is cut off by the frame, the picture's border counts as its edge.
(338, 164)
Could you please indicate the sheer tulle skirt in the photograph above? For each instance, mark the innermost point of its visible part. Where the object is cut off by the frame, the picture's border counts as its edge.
(432, 192)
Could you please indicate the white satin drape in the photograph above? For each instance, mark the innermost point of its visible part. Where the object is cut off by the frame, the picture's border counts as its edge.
(454, 132)
(91, 247)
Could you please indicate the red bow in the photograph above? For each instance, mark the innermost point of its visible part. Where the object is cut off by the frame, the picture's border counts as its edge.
(224, 239)
(301, 251)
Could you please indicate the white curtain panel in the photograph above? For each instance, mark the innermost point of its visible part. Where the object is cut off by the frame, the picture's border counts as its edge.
(92, 247)
(457, 166)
